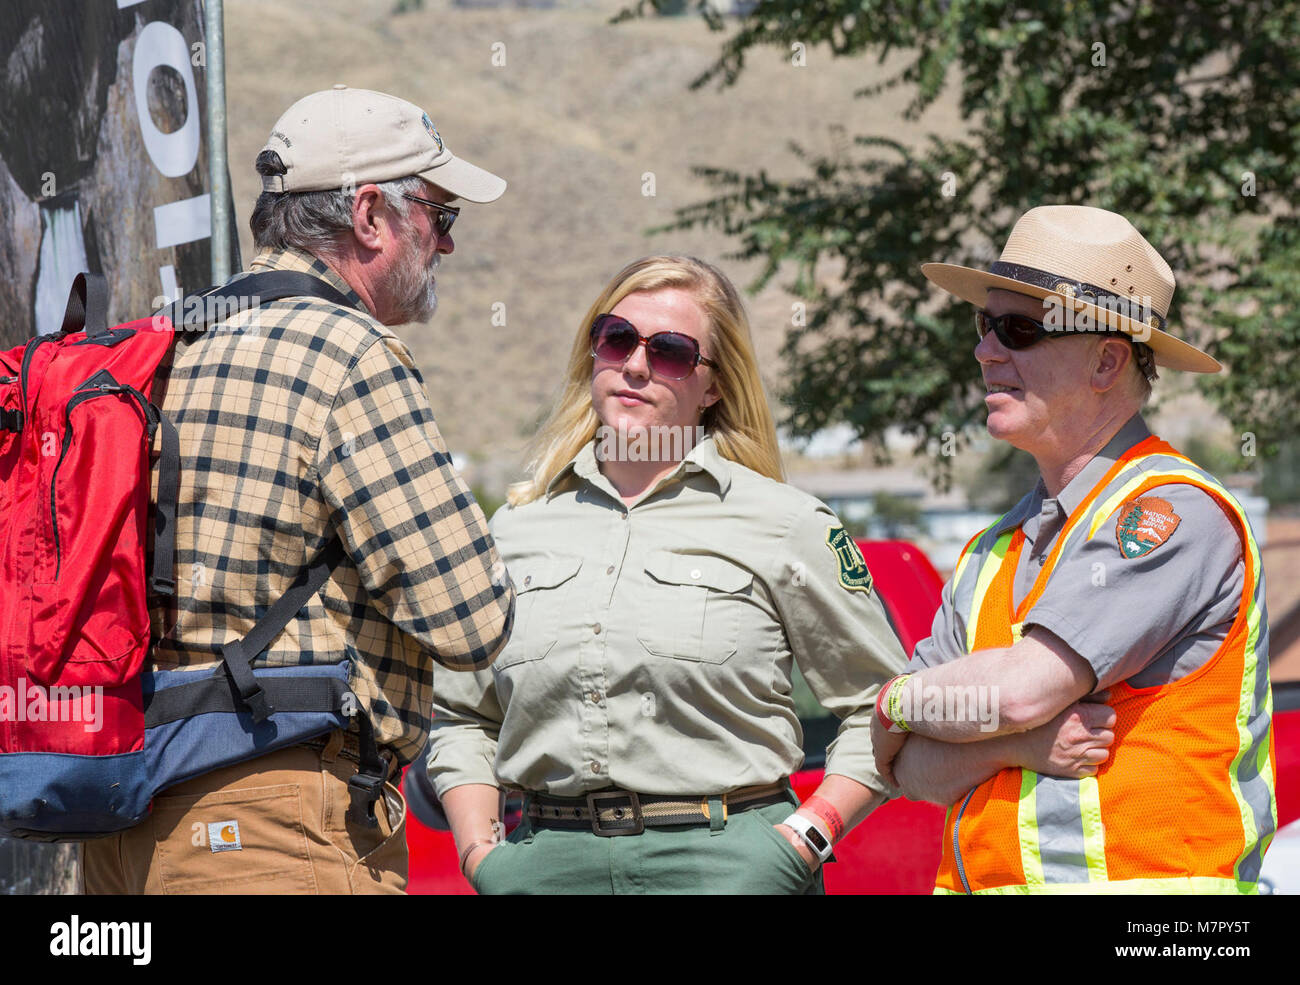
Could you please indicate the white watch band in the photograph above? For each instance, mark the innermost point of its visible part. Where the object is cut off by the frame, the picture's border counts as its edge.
(816, 840)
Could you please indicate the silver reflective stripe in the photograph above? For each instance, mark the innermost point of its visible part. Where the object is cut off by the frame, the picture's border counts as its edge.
(1060, 830)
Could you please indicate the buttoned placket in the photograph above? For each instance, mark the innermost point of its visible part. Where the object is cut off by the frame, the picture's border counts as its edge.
(600, 574)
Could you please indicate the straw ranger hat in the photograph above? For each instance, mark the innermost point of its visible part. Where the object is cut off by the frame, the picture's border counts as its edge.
(1094, 262)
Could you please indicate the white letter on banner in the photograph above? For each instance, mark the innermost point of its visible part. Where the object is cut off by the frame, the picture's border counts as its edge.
(173, 153)
(183, 221)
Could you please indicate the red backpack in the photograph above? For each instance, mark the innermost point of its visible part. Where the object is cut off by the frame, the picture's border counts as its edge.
(86, 738)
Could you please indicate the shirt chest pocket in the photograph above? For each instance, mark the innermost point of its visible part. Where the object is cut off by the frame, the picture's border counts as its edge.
(693, 606)
(542, 583)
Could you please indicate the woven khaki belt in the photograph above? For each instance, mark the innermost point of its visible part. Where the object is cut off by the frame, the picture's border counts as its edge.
(610, 813)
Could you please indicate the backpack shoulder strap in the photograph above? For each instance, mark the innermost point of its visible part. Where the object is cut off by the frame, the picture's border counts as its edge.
(239, 654)
(197, 311)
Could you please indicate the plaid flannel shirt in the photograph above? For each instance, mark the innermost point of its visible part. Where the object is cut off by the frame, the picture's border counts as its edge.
(298, 420)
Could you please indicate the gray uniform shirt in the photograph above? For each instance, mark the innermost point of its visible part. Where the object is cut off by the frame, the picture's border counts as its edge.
(654, 644)
(1147, 620)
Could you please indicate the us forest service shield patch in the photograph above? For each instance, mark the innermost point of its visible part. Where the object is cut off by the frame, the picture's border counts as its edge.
(854, 575)
(1144, 524)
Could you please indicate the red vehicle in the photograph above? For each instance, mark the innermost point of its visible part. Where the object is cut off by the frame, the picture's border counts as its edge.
(896, 849)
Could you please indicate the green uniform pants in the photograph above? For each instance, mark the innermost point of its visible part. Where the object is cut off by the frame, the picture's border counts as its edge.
(744, 854)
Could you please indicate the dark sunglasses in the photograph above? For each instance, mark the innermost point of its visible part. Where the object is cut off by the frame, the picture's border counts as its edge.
(446, 214)
(670, 355)
(1021, 331)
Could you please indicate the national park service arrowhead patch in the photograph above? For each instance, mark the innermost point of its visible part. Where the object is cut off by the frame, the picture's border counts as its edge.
(1144, 524)
(854, 575)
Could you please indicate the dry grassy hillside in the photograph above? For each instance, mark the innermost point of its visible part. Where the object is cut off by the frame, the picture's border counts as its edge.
(575, 117)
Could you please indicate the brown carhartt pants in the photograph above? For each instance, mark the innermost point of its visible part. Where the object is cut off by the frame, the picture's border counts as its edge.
(276, 824)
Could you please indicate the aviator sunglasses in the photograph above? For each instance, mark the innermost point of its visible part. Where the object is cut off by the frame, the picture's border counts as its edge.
(446, 214)
(670, 355)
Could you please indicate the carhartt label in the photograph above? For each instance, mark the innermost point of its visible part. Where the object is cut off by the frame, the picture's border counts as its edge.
(854, 575)
(223, 836)
(1144, 524)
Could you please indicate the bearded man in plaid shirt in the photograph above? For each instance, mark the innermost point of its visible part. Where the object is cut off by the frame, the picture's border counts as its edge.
(313, 423)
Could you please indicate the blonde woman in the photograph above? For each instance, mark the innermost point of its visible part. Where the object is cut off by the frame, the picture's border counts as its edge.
(668, 582)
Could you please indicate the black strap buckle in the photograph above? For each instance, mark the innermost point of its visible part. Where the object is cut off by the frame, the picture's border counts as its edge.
(259, 704)
(365, 789)
(11, 420)
(619, 826)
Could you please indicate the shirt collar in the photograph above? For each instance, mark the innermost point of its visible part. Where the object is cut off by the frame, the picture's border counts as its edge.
(703, 457)
(295, 259)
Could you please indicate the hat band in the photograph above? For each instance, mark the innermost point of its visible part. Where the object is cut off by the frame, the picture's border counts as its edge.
(1081, 291)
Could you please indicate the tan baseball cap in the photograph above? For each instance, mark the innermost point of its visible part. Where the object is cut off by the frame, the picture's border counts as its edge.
(341, 136)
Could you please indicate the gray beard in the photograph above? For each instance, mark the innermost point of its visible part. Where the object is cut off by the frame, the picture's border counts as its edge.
(412, 288)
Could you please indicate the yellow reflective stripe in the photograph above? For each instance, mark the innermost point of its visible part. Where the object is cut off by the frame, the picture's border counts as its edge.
(962, 562)
(1031, 856)
(1113, 502)
(1198, 885)
(969, 552)
(1250, 668)
(1067, 532)
(987, 572)
(1094, 832)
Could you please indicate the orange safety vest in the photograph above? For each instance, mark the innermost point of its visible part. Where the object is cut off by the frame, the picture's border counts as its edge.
(1185, 802)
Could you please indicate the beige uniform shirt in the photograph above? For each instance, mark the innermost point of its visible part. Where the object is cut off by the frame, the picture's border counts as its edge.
(654, 645)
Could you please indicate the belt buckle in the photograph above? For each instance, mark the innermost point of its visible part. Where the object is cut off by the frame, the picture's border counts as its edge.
(638, 822)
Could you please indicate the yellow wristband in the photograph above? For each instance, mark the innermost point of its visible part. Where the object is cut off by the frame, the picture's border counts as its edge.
(894, 709)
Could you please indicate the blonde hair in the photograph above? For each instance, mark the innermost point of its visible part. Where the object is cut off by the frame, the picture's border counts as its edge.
(739, 422)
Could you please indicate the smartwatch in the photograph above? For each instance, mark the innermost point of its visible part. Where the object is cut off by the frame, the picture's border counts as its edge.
(812, 835)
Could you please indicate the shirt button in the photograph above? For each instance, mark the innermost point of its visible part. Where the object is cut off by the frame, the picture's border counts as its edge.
(609, 570)
(695, 572)
(596, 629)
(594, 697)
(595, 767)
(528, 581)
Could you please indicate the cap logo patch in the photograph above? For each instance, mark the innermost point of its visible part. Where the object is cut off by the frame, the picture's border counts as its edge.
(433, 131)
(1144, 524)
(854, 576)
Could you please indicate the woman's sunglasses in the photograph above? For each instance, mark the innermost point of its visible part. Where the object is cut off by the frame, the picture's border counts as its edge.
(670, 355)
(1021, 331)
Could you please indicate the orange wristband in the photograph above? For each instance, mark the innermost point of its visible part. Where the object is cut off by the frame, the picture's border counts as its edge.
(827, 813)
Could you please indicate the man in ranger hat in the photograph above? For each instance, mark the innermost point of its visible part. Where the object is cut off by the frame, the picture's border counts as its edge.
(306, 435)
(1128, 576)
